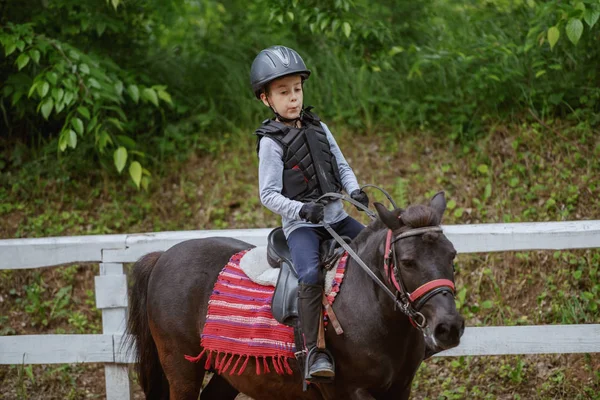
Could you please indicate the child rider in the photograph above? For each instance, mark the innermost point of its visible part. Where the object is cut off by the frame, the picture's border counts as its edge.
(299, 160)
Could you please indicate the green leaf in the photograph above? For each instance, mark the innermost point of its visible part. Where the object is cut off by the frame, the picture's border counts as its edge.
(22, 61)
(135, 170)
(347, 29)
(58, 106)
(72, 139)
(102, 140)
(116, 123)
(10, 49)
(57, 94)
(145, 182)
(591, 17)
(574, 30)
(482, 168)
(166, 97)
(149, 94)
(134, 92)
(74, 55)
(587, 295)
(553, 35)
(459, 212)
(52, 78)
(68, 98)
(63, 141)
(488, 191)
(119, 87)
(451, 205)
(94, 83)
(577, 274)
(290, 15)
(100, 28)
(92, 123)
(47, 107)
(120, 158)
(33, 88)
(540, 73)
(395, 50)
(35, 56)
(462, 294)
(78, 125)
(84, 112)
(43, 89)
(115, 3)
(126, 141)
(84, 69)
(487, 304)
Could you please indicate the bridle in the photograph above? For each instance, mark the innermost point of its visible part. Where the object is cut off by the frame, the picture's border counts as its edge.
(412, 302)
(408, 303)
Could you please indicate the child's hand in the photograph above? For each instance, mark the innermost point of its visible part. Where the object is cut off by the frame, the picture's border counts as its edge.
(312, 212)
(361, 197)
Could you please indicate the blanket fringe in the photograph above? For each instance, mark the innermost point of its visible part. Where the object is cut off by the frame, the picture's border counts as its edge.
(235, 365)
(207, 363)
(228, 364)
(222, 362)
(243, 367)
(195, 359)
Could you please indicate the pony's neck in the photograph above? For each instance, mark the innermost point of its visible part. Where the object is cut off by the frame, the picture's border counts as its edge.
(369, 245)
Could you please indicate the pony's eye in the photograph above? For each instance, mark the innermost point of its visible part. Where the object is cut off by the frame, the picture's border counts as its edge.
(408, 263)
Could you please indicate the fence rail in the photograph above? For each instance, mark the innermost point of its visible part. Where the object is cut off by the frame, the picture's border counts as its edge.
(111, 251)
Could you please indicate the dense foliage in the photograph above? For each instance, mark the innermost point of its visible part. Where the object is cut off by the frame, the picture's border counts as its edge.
(130, 83)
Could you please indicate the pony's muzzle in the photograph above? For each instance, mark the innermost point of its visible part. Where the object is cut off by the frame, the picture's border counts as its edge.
(447, 333)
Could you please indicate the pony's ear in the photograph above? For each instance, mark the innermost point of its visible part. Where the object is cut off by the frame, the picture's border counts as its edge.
(438, 203)
(389, 218)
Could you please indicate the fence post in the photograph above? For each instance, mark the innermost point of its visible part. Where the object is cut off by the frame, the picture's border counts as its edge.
(111, 298)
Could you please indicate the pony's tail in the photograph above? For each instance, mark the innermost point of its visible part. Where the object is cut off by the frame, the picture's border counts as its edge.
(150, 373)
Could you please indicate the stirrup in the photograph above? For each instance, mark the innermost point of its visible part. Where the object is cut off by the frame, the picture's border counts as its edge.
(317, 379)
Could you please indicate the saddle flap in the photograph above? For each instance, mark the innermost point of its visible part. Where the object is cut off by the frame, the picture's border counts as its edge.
(284, 305)
(277, 248)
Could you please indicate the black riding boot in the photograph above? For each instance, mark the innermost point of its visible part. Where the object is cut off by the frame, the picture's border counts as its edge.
(309, 308)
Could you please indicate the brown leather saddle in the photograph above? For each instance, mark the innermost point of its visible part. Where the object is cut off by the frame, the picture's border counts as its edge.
(284, 305)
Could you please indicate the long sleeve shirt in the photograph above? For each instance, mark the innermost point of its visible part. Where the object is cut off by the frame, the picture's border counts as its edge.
(270, 182)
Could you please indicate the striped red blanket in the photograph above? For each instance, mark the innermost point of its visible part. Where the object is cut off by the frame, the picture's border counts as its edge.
(239, 324)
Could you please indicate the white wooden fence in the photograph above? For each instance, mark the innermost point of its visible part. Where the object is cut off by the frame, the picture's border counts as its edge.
(111, 251)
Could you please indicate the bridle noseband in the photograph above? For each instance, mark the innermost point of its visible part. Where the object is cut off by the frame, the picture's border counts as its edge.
(408, 303)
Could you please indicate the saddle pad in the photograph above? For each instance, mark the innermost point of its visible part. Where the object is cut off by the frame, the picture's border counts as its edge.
(257, 268)
(239, 324)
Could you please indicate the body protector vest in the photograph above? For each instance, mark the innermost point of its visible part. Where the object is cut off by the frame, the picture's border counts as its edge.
(309, 167)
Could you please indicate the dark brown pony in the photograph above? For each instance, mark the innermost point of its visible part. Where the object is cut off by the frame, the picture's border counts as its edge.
(376, 357)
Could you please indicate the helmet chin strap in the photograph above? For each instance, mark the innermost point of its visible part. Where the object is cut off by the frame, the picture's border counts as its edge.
(284, 119)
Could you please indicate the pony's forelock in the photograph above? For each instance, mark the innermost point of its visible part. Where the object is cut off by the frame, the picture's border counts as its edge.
(420, 216)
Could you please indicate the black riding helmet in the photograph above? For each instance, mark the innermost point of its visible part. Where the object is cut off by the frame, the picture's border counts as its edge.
(275, 62)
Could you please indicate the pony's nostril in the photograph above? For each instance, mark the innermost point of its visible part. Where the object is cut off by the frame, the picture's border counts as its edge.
(441, 331)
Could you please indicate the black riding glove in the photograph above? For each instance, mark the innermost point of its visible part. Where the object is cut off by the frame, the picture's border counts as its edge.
(312, 212)
(361, 197)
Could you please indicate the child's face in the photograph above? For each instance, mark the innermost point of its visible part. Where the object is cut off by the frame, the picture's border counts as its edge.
(285, 95)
